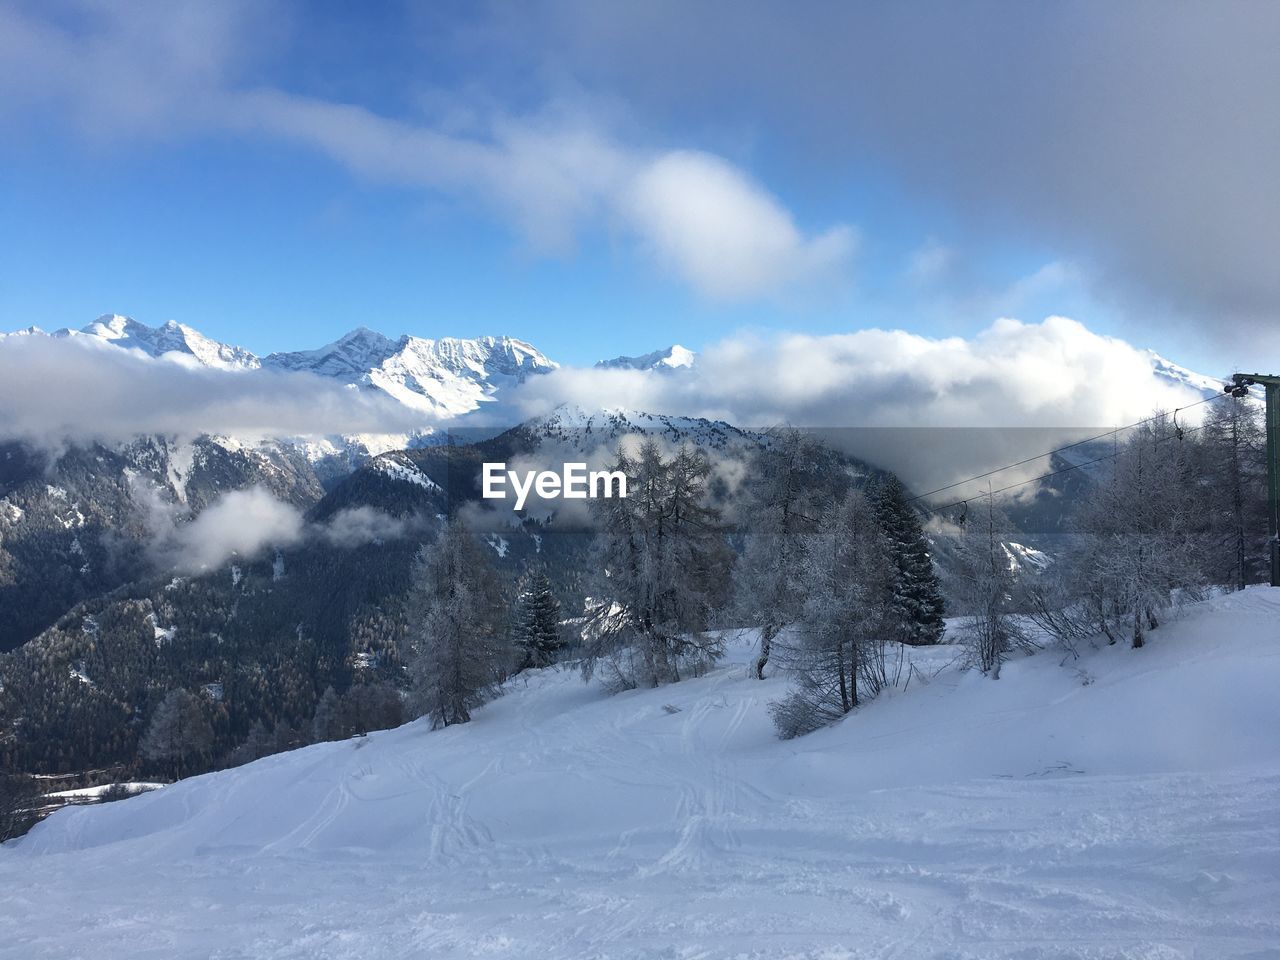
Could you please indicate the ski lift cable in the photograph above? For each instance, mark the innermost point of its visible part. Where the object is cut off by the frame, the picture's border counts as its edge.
(1053, 473)
(1049, 453)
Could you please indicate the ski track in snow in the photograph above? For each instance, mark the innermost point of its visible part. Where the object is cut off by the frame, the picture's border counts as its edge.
(1036, 817)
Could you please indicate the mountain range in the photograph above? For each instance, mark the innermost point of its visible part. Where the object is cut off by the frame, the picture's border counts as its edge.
(443, 377)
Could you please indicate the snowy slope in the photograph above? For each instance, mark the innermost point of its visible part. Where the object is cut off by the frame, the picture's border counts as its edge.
(1119, 806)
(1168, 370)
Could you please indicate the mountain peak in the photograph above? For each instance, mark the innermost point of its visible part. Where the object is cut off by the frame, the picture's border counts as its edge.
(170, 338)
(674, 357)
(439, 377)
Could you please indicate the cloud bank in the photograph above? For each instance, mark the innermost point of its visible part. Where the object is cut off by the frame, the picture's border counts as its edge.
(240, 523)
(932, 409)
(81, 389)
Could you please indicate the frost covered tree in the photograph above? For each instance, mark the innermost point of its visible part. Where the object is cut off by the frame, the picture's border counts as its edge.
(259, 743)
(917, 592)
(781, 500)
(837, 650)
(1232, 450)
(983, 586)
(662, 563)
(371, 706)
(458, 649)
(1137, 549)
(179, 732)
(327, 723)
(536, 633)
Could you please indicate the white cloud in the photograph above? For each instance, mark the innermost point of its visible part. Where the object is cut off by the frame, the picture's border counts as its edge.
(240, 523)
(359, 525)
(935, 409)
(723, 233)
(79, 388)
(165, 71)
(697, 215)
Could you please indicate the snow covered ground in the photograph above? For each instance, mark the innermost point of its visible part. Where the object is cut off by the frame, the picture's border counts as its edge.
(1123, 805)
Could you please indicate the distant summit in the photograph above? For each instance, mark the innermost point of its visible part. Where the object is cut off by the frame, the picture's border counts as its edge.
(674, 357)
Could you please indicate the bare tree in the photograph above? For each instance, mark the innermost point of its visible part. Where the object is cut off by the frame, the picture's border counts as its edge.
(1137, 550)
(662, 561)
(836, 651)
(781, 501)
(18, 800)
(179, 732)
(327, 722)
(1232, 448)
(983, 576)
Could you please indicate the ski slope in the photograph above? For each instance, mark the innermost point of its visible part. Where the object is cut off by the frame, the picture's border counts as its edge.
(1124, 805)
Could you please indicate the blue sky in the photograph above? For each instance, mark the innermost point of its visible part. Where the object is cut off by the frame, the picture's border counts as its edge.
(600, 181)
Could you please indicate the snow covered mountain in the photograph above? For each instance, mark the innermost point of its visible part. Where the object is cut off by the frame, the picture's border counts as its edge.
(1168, 370)
(1041, 816)
(444, 377)
(584, 430)
(169, 339)
(674, 357)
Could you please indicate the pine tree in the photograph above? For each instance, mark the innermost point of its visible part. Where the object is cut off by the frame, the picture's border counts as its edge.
(918, 592)
(537, 629)
(458, 652)
(179, 732)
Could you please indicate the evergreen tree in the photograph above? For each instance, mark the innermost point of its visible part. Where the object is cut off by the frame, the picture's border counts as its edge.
(917, 591)
(458, 651)
(537, 629)
(179, 732)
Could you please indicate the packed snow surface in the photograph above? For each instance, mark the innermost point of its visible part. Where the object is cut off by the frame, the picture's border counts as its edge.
(1122, 805)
